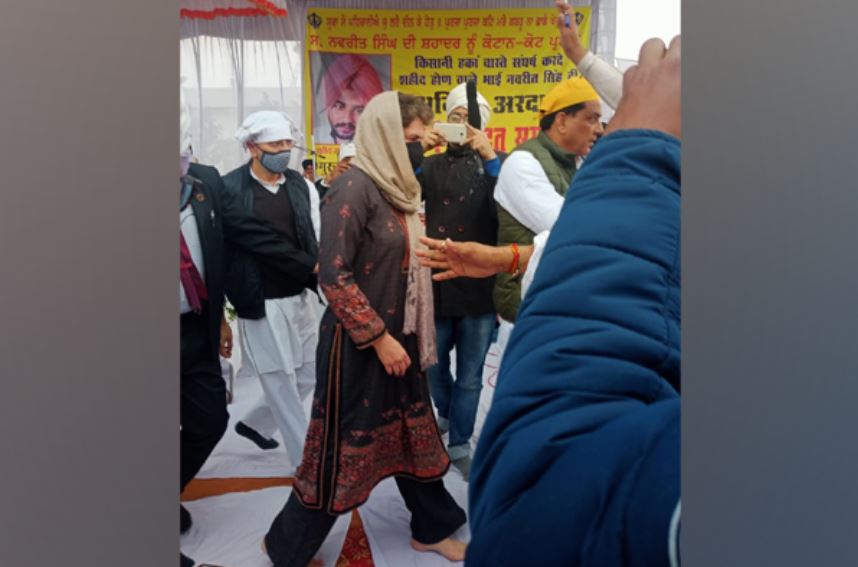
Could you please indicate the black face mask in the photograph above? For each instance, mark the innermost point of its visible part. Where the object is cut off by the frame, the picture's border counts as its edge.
(415, 154)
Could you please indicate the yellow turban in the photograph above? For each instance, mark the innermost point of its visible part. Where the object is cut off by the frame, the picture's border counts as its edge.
(569, 92)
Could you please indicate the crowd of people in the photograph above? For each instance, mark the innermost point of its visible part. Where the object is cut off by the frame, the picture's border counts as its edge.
(570, 244)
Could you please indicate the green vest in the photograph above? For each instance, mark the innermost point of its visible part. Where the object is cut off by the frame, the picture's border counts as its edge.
(559, 166)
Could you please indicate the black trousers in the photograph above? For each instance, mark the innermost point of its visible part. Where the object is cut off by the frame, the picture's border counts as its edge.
(298, 532)
(203, 396)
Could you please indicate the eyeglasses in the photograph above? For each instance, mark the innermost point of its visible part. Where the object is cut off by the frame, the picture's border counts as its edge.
(456, 118)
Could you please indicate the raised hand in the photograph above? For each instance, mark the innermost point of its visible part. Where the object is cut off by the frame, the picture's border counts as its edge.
(341, 168)
(569, 40)
(652, 91)
(479, 142)
(432, 139)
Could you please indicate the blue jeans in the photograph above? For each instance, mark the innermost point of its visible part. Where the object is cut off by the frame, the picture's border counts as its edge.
(457, 400)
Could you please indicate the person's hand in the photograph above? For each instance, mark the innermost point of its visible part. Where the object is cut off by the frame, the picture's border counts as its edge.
(652, 91)
(569, 39)
(341, 168)
(225, 347)
(391, 354)
(463, 259)
(479, 142)
(432, 139)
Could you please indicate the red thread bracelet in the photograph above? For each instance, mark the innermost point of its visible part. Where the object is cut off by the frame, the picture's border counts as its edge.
(513, 268)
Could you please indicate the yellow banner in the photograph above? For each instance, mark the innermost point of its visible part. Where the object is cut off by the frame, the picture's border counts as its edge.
(514, 55)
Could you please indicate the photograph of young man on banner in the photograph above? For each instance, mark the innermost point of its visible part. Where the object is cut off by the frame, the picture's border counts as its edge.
(343, 83)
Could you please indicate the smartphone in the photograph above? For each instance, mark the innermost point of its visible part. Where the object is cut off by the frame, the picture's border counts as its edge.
(454, 133)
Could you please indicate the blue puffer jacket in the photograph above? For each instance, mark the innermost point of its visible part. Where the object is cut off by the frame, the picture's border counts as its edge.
(578, 462)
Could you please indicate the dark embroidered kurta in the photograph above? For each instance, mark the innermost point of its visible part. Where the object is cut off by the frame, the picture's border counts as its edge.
(365, 424)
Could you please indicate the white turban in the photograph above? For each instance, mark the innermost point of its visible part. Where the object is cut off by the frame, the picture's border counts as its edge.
(184, 123)
(458, 97)
(347, 150)
(265, 126)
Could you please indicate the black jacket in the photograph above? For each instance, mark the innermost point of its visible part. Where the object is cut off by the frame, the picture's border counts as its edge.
(460, 205)
(221, 221)
(243, 276)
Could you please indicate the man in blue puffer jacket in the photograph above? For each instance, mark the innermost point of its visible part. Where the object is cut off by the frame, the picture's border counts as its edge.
(578, 462)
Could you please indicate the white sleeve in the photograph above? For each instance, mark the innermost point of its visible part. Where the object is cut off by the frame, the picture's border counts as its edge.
(605, 78)
(538, 247)
(315, 215)
(525, 192)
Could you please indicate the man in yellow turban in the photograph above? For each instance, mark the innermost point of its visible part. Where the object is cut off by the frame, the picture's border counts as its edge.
(535, 177)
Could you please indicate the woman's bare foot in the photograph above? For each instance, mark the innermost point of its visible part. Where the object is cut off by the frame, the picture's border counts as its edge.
(313, 563)
(450, 549)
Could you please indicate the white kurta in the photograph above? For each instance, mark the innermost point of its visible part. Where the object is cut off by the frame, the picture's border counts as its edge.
(285, 339)
(523, 189)
(538, 247)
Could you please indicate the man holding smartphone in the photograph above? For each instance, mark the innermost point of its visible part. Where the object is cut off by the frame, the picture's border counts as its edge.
(458, 187)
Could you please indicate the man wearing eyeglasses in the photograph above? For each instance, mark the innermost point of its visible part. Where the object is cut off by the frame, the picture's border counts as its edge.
(277, 318)
(458, 187)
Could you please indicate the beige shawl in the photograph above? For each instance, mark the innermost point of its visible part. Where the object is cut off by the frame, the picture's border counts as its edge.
(381, 154)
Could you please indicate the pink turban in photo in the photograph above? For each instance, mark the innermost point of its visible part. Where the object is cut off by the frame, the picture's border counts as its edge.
(351, 72)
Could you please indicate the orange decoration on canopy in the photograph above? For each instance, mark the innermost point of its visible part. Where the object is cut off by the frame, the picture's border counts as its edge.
(259, 8)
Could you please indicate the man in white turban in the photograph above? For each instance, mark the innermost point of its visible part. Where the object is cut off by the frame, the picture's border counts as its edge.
(277, 314)
(458, 187)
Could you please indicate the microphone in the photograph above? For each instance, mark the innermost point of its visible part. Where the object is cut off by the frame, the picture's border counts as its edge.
(474, 115)
(473, 105)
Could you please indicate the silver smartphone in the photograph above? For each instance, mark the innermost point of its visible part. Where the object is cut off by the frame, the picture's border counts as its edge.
(453, 133)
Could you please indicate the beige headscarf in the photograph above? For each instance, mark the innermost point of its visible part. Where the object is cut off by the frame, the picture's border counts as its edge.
(381, 154)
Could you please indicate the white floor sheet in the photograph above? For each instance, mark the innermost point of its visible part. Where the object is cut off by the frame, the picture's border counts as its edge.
(227, 529)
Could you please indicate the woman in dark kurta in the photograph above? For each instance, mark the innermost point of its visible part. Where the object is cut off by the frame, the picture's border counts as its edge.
(372, 414)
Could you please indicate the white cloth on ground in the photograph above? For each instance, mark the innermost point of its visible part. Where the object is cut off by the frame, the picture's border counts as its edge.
(227, 529)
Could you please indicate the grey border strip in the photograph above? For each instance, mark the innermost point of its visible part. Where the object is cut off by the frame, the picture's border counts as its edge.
(88, 229)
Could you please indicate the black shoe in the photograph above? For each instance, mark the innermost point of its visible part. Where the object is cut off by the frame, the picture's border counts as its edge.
(185, 561)
(185, 521)
(253, 435)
